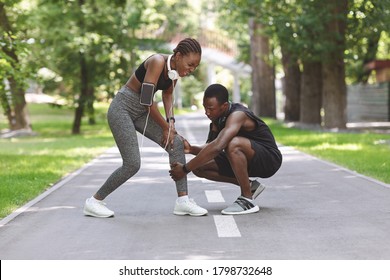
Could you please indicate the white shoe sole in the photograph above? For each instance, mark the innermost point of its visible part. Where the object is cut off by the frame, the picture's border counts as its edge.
(87, 213)
(190, 214)
(249, 211)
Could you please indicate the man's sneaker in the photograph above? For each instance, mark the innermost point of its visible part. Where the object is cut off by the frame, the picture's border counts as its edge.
(188, 207)
(97, 208)
(256, 188)
(241, 206)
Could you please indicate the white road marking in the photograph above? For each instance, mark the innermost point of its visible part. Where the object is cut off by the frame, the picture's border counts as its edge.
(226, 226)
(214, 196)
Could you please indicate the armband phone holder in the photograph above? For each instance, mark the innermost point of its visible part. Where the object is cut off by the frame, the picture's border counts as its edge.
(147, 92)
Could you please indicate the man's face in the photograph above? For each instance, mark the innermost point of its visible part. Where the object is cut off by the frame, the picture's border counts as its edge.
(213, 110)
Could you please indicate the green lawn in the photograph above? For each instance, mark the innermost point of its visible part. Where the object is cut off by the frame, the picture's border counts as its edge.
(30, 165)
(366, 153)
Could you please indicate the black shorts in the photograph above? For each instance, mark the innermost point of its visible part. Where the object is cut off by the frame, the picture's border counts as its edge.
(264, 164)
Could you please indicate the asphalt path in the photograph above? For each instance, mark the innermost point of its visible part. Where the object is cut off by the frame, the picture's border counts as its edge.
(310, 210)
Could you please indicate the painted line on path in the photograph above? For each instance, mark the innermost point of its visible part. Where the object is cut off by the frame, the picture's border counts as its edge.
(226, 226)
(214, 196)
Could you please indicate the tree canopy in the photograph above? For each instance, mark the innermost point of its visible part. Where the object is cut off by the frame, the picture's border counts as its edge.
(90, 47)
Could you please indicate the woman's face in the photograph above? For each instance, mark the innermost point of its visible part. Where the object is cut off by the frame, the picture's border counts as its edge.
(186, 64)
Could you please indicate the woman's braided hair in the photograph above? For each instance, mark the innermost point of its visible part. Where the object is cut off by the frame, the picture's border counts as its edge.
(188, 45)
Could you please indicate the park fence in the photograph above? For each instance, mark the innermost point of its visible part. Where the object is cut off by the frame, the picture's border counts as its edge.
(369, 102)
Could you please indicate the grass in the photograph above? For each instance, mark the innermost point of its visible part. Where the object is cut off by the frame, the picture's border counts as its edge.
(30, 165)
(366, 153)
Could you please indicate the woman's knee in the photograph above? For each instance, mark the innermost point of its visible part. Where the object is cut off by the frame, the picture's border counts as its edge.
(132, 166)
(178, 142)
(178, 146)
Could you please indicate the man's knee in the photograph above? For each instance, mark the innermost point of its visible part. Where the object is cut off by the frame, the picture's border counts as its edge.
(234, 145)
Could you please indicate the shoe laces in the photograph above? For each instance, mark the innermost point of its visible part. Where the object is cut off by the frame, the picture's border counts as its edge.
(192, 204)
(192, 201)
(101, 202)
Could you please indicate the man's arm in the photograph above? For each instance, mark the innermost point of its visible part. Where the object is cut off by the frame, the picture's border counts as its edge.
(233, 125)
(194, 150)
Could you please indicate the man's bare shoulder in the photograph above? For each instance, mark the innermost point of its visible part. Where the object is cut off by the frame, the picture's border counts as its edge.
(241, 118)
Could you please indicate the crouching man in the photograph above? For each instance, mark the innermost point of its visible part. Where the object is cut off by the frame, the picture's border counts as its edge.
(239, 145)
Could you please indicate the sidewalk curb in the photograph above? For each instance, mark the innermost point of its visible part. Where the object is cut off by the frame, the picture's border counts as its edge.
(52, 189)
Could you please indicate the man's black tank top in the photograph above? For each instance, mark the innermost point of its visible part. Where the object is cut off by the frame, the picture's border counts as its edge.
(261, 134)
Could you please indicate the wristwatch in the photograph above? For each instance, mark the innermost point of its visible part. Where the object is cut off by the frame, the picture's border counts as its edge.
(185, 169)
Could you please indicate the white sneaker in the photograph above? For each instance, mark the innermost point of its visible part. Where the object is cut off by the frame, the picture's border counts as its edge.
(97, 208)
(189, 207)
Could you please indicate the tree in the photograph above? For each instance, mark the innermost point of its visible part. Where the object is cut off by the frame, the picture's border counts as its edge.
(298, 29)
(254, 15)
(310, 46)
(263, 78)
(313, 37)
(285, 28)
(313, 33)
(12, 71)
(82, 48)
(368, 24)
(311, 93)
(97, 43)
(333, 68)
(291, 86)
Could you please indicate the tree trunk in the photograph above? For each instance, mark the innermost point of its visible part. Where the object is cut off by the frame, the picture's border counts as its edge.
(254, 43)
(16, 106)
(20, 116)
(82, 101)
(333, 68)
(6, 105)
(90, 108)
(76, 129)
(263, 77)
(311, 94)
(86, 99)
(291, 87)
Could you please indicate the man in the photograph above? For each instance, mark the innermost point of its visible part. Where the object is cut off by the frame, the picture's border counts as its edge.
(239, 145)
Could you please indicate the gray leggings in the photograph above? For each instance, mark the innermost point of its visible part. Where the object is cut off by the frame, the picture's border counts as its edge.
(125, 117)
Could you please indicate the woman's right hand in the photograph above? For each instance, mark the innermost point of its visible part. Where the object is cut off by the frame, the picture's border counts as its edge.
(169, 137)
(187, 146)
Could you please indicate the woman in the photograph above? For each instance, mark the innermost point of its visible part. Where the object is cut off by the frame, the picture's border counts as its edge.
(127, 115)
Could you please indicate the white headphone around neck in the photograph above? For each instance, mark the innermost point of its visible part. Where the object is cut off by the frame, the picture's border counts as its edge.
(172, 74)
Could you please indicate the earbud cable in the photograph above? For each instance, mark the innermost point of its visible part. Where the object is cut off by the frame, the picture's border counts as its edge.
(170, 113)
(143, 133)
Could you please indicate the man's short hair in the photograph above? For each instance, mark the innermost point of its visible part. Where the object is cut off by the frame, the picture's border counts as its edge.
(218, 91)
